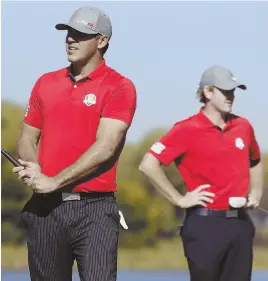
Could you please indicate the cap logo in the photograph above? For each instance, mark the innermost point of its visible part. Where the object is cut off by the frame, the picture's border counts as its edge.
(84, 22)
(90, 99)
(90, 24)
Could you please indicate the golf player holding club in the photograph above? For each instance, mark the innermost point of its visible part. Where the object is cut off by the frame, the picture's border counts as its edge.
(73, 133)
(219, 159)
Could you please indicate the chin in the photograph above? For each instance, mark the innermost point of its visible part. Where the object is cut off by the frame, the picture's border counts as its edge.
(225, 109)
(72, 58)
(228, 110)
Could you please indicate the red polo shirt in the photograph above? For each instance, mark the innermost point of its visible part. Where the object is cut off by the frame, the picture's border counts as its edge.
(206, 154)
(68, 114)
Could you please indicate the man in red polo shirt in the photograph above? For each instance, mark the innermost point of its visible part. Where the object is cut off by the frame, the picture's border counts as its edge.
(73, 133)
(218, 157)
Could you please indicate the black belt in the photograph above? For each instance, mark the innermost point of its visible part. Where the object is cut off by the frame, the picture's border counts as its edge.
(234, 213)
(73, 196)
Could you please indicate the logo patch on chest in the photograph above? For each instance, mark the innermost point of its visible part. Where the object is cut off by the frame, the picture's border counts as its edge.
(90, 99)
(239, 143)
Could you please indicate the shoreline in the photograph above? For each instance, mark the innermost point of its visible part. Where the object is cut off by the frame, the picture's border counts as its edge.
(14, 258)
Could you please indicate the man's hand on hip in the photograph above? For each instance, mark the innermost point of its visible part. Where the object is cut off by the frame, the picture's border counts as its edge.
(254, 199)
(196, 197)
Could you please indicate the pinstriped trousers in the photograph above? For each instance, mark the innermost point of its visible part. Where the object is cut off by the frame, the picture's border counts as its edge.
(58, 233)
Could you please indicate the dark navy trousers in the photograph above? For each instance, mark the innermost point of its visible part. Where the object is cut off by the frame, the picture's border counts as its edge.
(218, 248)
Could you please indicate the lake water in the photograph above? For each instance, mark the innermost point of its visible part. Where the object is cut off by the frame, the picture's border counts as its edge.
(132, 276)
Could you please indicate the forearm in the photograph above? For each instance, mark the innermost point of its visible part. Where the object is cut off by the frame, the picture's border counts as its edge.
(257, 179)
(85, 165)
(159, 180)
(27, 150)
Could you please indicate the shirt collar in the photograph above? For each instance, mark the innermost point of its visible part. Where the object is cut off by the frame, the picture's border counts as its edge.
(207, 122)
(98, 72)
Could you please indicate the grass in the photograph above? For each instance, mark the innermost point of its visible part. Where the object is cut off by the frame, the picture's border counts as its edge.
(167, 256)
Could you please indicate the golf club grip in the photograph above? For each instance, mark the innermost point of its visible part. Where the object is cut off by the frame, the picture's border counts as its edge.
(11, 159)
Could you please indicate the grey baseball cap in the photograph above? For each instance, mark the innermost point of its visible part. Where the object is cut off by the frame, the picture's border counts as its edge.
(220, 77)
(89, 20)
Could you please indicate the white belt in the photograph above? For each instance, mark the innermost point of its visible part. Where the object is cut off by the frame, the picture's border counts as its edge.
(66, 196)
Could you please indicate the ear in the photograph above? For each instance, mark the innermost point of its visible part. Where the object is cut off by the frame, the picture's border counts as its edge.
(208, 92)
(102, 42)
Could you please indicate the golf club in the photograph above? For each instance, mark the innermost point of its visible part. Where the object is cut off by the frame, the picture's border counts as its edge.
(11, 159)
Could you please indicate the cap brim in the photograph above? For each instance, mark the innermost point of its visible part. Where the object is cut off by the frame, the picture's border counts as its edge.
(230, 85)
(242, 86)
(62, 26)
(83, 29)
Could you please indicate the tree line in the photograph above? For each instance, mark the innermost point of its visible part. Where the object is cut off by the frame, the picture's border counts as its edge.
(150, 217)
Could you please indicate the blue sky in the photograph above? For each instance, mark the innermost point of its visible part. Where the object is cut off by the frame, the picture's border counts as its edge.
(162, 47)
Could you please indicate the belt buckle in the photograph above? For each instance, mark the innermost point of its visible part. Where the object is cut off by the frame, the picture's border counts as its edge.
(232, 214)
(66, 196)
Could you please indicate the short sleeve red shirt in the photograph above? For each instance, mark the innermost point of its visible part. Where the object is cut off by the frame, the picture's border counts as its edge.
(68, 114)
(205, 154)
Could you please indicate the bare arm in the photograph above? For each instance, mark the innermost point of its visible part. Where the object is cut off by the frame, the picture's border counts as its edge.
(257, 180)
(27, 145)
(256, 172)
(151, 167)
(109, 137)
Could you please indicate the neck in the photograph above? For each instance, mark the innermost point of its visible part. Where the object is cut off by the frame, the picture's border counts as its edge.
(81, 69)
(215, 116)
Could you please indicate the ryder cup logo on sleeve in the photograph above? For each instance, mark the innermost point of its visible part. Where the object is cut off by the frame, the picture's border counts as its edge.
(239, 143)
(157, 147)
(90, 99)
(27, 111)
